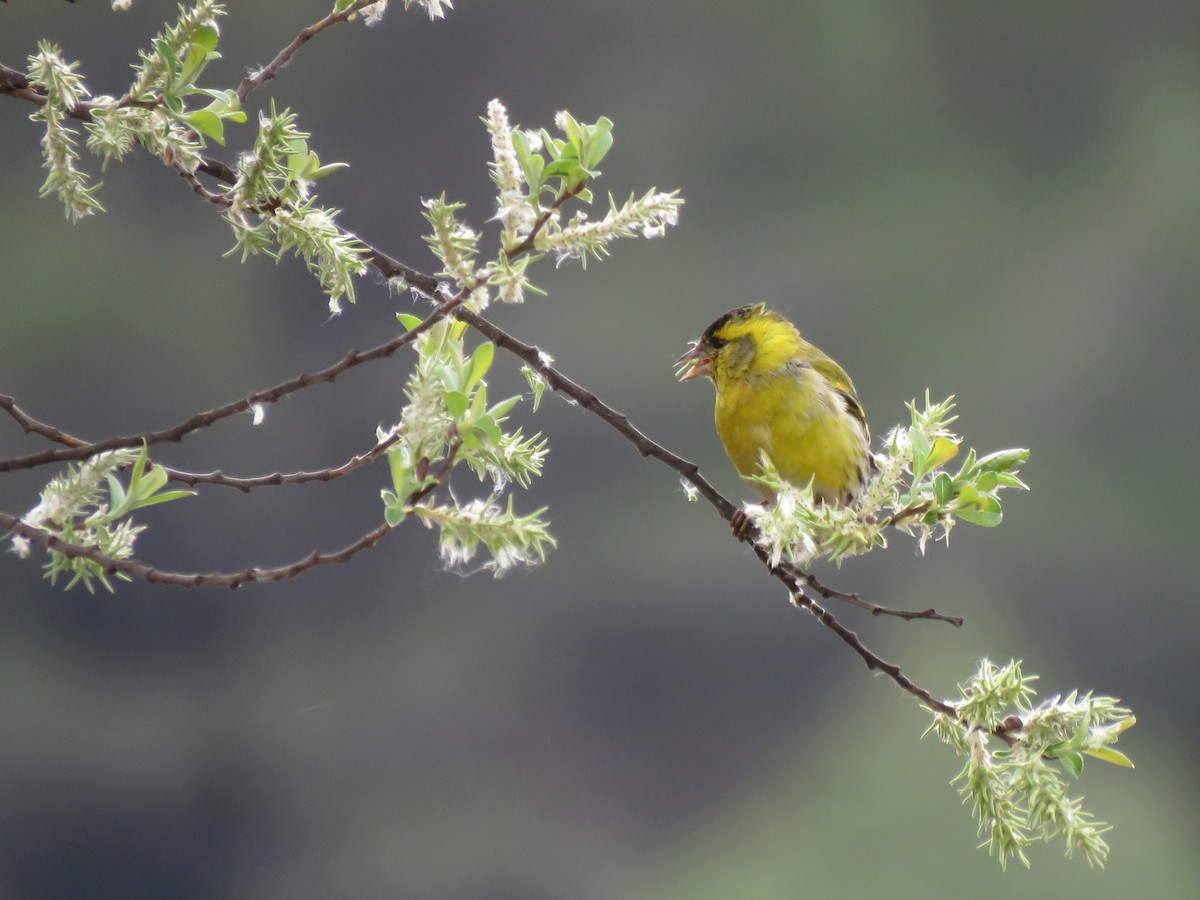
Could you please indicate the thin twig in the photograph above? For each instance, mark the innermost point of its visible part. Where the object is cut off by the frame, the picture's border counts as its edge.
(135, 569)
(874, 662)
(531, 239)
(200, 190)
(209, 417)
(873, 608)
(265, 74)
(245, 485)
(253, 574)
(32, 426)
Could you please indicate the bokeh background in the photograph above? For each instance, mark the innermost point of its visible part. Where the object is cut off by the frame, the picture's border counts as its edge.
(998, 201)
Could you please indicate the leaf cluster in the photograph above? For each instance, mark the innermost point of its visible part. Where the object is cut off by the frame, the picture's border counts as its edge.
(447, 421)
(537, 173)
(1017, 792)
(64, 90)
(88, 506)
(272, 210)
(169, 70)
(912, 490)
(270, 207)
(560, 167)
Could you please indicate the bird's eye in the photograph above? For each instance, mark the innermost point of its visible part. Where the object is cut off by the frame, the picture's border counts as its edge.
(717, 343)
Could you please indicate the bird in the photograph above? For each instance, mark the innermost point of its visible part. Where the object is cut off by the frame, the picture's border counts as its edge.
(778, 393)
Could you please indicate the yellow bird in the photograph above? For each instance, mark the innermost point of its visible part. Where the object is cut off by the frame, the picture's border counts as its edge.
(777, 392)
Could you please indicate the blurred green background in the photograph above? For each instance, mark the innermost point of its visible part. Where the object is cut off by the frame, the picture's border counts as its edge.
(999, 201)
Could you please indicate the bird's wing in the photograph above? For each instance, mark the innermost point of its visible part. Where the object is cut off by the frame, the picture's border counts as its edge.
(840, 382)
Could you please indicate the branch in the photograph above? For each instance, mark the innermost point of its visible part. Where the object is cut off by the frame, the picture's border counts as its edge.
(794, 578)
(209, 417)
(262, 76)
(133, 569)
(531, 239)
(245, 485)
(32, 426)
(17, 85)
(874, 609)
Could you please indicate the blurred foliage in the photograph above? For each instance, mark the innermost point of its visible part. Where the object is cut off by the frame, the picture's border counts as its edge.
(644, 715)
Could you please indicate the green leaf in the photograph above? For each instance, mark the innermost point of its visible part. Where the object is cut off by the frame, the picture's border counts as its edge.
(531, 163)
(534, 173)
(299, 158)
(193, 64)
(409, 321)
(987, 481)
(601, 143)
(1073, 763)
(943, 450)
(1003, 460)
(1006, 479)
(943, 488)
(167, 55)
(501, 409)
(481, 361)
(487, 426)
(986, 518)
(208, 123)
(920, 451)
(166, 497)
(206, 36)
(536, 383)
(1125, 724)
(564, 167)
(328, 168)
(150, 483)
(968, 467)
(401, 474)
(1109, 755)
(116, 494)
(394, 514)
(457, 402)
(520, 144)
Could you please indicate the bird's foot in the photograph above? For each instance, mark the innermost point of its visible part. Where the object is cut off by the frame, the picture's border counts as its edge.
(743, 528)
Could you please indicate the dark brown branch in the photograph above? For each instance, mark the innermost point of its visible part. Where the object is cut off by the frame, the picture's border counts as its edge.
(32, 426)
(873, 660)
(211, 416)
(531, 239)
(200, 190)
(15, 83)
(253, 574)
(265, 74)
(135, 569)
(794, 578)
(245, 485)
(874, 609)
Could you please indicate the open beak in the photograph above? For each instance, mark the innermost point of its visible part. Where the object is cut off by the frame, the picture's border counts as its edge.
(694, 364)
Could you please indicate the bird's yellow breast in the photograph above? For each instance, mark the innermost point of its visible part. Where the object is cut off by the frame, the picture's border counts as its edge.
(796, 417)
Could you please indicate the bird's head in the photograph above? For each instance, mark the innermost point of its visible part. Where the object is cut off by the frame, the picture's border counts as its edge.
(745, 341)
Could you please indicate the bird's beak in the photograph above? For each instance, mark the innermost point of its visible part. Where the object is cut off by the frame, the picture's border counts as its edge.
(696, 363)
